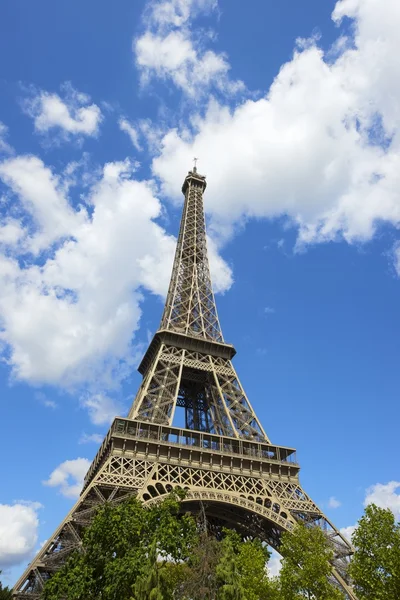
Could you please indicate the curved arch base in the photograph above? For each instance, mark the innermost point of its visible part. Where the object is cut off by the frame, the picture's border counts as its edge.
(258, 496)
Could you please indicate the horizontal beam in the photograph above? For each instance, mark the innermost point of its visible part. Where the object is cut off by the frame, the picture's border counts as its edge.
(188, 440)
(186, 342)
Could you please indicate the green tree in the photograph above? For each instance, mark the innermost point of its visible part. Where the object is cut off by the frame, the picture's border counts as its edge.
(306, 556)
(246, 561)
(155, 583)
(134, 553)
(230, 569)
(199, 580)
(375, 568)
(5, 593)
(116, 553)
(227, 570)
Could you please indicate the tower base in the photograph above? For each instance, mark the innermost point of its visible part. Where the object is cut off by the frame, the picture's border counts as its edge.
(250, 486)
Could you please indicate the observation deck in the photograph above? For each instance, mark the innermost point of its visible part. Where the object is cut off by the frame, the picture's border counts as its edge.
(194, 448)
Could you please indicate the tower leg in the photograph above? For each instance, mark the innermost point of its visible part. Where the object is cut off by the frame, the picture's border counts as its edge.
(250, 486)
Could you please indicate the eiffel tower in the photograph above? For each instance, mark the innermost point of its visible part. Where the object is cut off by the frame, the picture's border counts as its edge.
(222, 457)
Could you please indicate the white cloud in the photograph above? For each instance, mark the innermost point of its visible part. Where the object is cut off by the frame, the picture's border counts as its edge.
(87, 438)
(85, 295)
(42, 200)
(322, 147)
(386, 496)
(4, 146)
(268, 310)
(221, 273)
(102, 409)
(132, 132)
(175, 57)
(18, 532)
(334, 502)
(42, 398)
(69, 476)
(176, 13)
(347, 532)
(73, 115)
(167, 50)
(11, 232)
(274, 564)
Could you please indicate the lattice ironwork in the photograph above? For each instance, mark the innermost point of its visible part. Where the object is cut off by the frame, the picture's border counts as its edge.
(254, 488)
(190, 307)
(206, 386)
(222, 457)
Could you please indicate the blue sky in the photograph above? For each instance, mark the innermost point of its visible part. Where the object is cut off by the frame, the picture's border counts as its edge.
(293, 110)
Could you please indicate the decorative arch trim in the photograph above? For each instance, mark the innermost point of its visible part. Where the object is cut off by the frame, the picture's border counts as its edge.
(226, 498)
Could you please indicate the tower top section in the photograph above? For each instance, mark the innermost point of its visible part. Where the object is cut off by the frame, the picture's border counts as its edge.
(190, 306)
(194, 178)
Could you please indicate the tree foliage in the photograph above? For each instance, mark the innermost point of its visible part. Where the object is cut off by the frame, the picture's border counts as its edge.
(375, 567)
(5, 592)
(200, 578)
(118, 549)
(231, 585)
(155, 583)
(243, 565)
(306, 565)
(134, 553)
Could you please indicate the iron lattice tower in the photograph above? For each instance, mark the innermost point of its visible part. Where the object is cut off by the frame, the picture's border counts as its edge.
(222, 456)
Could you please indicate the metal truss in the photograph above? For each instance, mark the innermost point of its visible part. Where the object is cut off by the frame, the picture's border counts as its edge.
(222, 457)
(206, 386)
(190, 307)
(251, 486)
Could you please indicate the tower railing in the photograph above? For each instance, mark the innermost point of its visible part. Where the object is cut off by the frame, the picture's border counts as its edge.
(188, 438)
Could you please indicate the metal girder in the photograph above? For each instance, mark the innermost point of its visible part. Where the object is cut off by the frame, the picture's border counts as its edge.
(228, 410)
(190, 306)
(253, 487)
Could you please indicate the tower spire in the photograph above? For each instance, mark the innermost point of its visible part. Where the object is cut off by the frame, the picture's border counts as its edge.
(190, 306)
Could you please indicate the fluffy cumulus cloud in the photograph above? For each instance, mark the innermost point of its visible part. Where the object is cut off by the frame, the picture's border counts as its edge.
(42, 202)
(70, 318)
(102, 408)
(85, 297)
(68, 477)
(322, 147)
(19, 524)
(386, 496)
(168, 50)
(72, 115)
